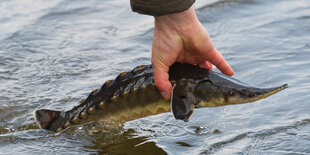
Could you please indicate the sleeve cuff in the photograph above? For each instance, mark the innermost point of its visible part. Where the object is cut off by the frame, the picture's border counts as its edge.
(160, 7)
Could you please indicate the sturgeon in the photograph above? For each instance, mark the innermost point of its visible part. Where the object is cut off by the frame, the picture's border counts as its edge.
(133, 95)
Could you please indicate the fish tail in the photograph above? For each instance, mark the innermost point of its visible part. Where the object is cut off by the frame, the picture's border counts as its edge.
(45, 117)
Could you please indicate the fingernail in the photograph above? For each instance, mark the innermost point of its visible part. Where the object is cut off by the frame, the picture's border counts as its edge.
(165, 95)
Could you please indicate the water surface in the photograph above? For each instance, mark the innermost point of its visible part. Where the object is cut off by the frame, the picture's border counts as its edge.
(52, 54)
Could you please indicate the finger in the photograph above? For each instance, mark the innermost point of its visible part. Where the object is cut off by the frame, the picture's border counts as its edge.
(207, 65)
(218, 60)
(161, 79)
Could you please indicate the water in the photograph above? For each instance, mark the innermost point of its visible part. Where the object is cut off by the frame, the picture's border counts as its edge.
(52, 54)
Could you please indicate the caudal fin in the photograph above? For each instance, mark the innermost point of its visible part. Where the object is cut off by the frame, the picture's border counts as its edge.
(44, 117)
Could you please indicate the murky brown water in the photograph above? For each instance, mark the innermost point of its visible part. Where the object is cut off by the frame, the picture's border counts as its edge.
(52, 54)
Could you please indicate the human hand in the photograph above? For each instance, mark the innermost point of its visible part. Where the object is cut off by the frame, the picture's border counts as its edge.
(180, 37)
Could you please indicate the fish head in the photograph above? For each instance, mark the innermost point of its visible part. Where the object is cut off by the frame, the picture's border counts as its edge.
(224, 90)
(216, 91)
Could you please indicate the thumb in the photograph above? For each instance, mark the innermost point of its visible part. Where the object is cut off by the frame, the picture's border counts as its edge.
(161, 79)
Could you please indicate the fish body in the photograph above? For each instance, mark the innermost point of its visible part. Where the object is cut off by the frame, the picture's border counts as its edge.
(133, 95)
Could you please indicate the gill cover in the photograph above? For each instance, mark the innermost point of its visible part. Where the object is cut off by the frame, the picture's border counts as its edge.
(183, 100)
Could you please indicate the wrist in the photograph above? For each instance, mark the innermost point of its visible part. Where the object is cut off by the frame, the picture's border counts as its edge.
(177, 20)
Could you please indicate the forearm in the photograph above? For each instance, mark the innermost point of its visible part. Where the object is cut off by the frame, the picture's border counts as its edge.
(160, 7)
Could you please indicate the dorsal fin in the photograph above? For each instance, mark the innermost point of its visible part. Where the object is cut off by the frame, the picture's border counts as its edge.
(44, 117)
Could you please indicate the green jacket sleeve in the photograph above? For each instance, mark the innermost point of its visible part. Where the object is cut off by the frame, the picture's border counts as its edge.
(160, 7)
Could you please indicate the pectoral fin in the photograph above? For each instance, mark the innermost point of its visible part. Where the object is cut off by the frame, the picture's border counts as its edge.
(182, 102)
